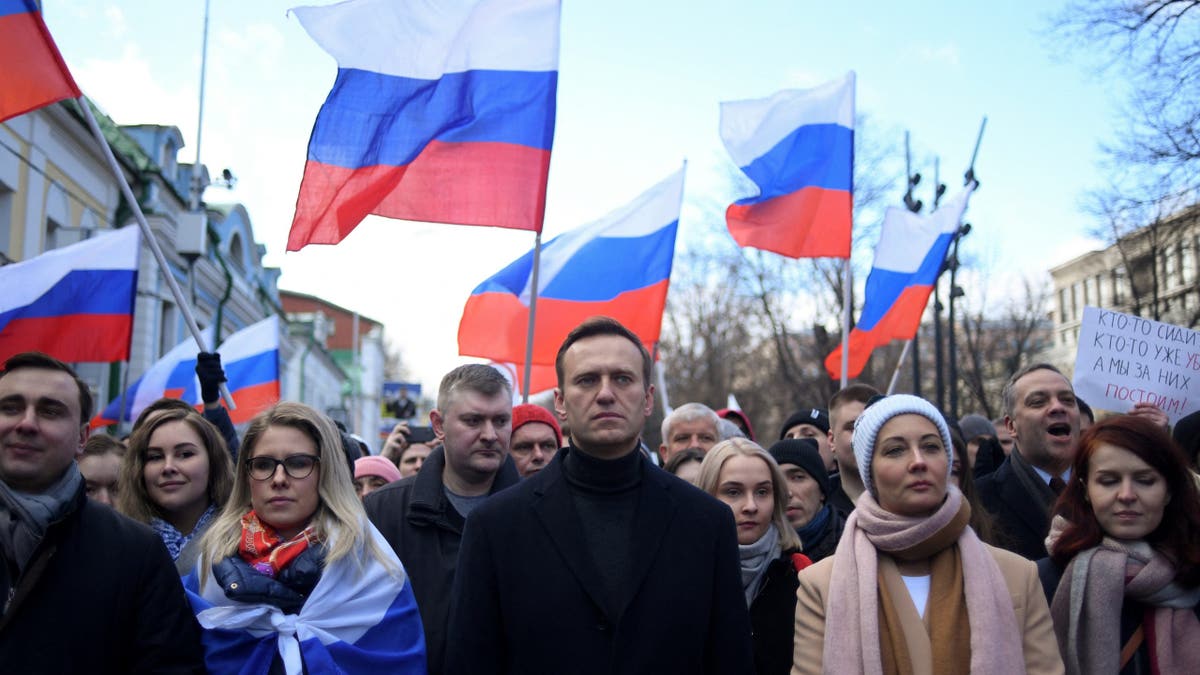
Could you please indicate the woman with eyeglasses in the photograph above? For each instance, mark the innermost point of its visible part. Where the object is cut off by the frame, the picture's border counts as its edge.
(175, 477)
(293, 578)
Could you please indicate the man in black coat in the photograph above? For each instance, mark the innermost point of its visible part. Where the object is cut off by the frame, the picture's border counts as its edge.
(84, 589)
(1043, 417)
(422, 516)
(600, 563)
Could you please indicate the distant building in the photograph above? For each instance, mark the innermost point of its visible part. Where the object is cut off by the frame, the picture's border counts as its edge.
(56, 189)
(1151, 272)
(355, 343)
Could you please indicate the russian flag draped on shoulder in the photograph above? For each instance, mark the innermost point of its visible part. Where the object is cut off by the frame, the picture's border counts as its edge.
(74, 303)
(619, 266)
(360, 618)
(908, 259)
(250, 358)
(441, 112)
(32, 73)
(798, 147)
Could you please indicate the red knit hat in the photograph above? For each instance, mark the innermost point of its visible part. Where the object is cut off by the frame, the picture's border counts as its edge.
(527, 412)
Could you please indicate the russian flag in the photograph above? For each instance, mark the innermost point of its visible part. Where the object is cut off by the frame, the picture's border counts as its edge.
(34, 73)
(908, 260)
(441, 112)
(250, 358)
(74, 303)
(619, 266)
(798, 147)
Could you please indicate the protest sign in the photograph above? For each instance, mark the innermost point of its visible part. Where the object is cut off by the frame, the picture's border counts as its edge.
(1124, 359)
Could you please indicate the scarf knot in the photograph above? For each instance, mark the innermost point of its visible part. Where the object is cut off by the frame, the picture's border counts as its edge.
(264, 550)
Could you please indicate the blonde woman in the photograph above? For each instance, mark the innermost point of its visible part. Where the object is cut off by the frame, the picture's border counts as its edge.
(744, 476)
(292, 577)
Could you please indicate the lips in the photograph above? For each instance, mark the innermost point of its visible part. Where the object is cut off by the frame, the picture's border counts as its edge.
(170, 485)
(279, 501)
(1059, 430)
(920, 485)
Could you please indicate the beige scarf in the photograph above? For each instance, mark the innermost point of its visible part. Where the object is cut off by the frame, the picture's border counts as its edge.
(857, 625)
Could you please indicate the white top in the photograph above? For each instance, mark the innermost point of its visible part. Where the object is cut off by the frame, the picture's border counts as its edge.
(918, 589)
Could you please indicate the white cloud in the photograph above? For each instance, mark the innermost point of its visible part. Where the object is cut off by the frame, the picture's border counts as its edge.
(946, 55)
(116, 20)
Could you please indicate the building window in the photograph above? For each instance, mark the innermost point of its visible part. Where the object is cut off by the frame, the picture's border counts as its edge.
(1187, 262)
(1168, 268)
(1118, 286)
(1062, 305)
(1074, 301)
(1098, 285)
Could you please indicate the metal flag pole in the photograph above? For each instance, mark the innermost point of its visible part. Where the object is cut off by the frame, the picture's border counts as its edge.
(533, 296)
(847, 277)
(900, 362)
(148, 236)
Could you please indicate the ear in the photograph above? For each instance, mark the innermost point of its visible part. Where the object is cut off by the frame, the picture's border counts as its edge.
(1008, 424)
(438, 423)
(85, 430)
(649, 403)
(560, 407)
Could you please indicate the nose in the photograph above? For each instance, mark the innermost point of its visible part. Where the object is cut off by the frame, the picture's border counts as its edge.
(489, 433)
(280, 476)
(1127, 493)
(606, 391)
(28, 420)
(751, 504)
(917, 462)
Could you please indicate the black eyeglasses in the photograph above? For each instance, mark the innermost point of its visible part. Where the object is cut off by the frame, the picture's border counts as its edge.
(295, 466)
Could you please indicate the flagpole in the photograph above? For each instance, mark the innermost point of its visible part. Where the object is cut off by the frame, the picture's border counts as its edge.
(184, 308)
(533, 296)
(845, 321)
(896, 373)
(660, 376)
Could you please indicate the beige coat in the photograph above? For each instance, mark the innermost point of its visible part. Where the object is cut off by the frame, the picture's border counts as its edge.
(1020, 575)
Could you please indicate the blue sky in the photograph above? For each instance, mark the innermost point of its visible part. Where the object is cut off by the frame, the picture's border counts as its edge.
(639, 87)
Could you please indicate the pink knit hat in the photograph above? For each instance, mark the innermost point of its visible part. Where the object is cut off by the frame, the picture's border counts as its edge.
(528, 412)
(374, 465)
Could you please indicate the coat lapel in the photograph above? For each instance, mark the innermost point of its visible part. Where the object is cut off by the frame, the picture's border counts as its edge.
(556, 511)
(655, 509)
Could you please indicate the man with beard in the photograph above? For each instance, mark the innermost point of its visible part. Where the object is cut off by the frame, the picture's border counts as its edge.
(636, 570)
(1042, 416)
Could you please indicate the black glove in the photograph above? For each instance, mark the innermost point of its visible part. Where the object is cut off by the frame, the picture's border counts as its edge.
(208, 369)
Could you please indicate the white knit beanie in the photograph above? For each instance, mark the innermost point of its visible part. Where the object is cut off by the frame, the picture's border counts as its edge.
(868, 424)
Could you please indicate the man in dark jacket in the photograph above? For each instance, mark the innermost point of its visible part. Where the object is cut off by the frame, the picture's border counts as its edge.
(1043, 417)
(636, 570)
(84, 590)
(422, 516)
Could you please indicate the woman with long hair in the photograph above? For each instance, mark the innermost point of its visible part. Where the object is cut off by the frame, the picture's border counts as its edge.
(175, 477)
(744, 476)
(1124, 571)
(911, 588)
(292, 577)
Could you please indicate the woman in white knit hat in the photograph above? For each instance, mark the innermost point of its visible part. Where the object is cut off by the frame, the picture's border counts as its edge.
(911, 589)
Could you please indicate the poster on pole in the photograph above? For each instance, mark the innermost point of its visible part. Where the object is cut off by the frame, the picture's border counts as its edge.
(1124, 359)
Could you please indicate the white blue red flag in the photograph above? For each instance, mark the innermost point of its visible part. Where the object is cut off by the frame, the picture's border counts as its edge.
(908, 260)
(74, 303)
(33, 73)
(441, 112)
(250, 358)
(798, 147)
(618, 266)
(360, 618)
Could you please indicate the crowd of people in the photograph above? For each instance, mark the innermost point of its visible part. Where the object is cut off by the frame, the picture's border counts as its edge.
(876, 535)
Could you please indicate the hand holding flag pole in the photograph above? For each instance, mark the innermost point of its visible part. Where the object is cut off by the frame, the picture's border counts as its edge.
(151, 241)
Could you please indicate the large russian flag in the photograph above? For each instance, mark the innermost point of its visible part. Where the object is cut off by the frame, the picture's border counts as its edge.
(798, 147)
(441, 112)
(908, 260)
(74, 303)
(32, 72)
(619, 266)
(250, 358)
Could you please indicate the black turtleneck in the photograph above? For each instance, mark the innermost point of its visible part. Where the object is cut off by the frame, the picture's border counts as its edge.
(604, 492)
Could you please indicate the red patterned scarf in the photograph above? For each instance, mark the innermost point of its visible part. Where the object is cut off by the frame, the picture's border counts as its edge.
(261, 546)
